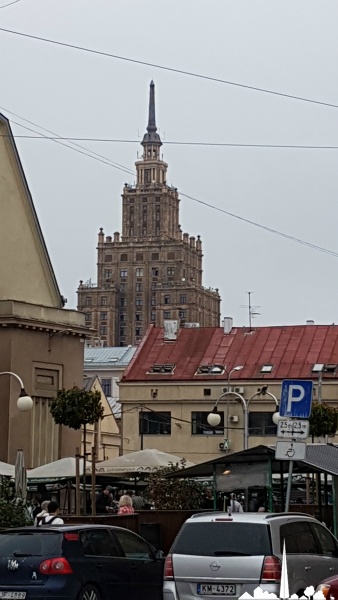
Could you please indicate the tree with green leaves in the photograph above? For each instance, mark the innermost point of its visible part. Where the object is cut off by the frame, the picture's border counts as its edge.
(323, 420)
(13, 509)
(76, 408)
(173, 493)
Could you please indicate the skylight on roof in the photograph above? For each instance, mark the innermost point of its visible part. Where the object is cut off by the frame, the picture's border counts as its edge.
(318, 368)
(266, 368)
(210, 370)
(165, 368)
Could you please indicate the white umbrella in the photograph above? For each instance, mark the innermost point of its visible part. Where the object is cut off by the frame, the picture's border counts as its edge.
(20, 475)
(142, 461)
(7, 470)
(58, 469)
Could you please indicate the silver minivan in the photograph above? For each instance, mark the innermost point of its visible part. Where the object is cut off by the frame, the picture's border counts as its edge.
(220, 555)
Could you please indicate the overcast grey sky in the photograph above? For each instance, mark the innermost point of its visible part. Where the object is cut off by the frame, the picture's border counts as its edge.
(289, 47)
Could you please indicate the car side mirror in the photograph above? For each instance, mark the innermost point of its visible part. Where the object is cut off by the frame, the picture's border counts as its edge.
(159, 554)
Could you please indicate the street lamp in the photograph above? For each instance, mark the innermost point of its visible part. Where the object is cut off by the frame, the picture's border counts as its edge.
(214, 418)
(24, 402)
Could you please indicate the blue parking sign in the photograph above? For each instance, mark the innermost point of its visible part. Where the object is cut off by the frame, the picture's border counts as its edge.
(296, 398)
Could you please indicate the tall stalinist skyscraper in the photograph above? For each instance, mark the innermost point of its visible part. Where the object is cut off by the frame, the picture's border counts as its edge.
(152, 272)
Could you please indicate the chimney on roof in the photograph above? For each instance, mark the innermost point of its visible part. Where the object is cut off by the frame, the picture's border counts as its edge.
(309, 322)
(170, 329)
(227, 324)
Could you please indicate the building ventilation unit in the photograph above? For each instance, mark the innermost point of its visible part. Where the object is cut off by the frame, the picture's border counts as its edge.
(233, 418)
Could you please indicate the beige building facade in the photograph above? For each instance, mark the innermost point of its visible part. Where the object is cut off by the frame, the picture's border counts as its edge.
(40, 341)
(172, 384)
(102, 438)
(153, 272)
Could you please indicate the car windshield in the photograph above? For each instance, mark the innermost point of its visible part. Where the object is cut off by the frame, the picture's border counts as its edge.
(223, 539)
(30, 543)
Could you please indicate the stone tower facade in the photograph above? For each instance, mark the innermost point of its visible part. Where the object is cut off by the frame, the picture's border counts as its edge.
(153, 272)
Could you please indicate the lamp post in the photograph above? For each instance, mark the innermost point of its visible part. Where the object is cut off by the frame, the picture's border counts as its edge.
(214, 418)
(24, 402)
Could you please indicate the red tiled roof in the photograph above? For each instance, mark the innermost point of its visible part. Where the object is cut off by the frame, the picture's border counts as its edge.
(292, 350)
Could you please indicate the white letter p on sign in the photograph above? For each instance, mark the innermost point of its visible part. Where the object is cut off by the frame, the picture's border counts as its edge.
(298, 397)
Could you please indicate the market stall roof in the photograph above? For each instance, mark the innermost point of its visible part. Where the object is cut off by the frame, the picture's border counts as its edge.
(142, 461)
(319, 457)
(58, 469)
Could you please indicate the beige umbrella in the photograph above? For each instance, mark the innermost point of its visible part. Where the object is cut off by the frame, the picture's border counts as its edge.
(58, 469)
(6, 470)
(142, 461)
(20, 475)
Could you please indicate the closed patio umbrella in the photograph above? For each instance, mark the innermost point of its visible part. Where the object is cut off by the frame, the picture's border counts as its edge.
(20, 475)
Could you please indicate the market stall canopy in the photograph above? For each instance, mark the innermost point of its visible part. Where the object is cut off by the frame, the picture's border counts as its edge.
(59, 469)
(7, 470)
(142, 461)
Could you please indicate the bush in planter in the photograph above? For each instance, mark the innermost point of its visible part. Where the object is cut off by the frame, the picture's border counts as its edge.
(173, 493)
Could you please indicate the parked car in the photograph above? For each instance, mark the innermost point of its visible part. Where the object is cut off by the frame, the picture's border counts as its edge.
(329, 587)
(82, 562)
(219, 554)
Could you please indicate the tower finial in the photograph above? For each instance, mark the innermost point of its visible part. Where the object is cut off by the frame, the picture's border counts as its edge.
(151, 120)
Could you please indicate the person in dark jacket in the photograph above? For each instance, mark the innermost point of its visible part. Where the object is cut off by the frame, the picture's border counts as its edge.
(103, 501)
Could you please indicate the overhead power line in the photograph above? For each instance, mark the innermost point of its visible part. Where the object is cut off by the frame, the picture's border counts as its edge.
(10, 4)
(175, 142)
(108, 162)
(171, 69)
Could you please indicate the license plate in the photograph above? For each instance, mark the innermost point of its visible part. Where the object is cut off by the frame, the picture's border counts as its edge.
(216, 589)
(13, 595)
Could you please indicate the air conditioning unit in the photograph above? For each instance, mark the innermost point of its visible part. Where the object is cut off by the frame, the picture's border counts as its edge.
(233, 418)
(224, 446)
(228, 389)
(238, 390)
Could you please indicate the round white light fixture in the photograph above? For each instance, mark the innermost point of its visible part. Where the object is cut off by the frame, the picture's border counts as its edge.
(276, 418)
(214, 418)
(24, 402)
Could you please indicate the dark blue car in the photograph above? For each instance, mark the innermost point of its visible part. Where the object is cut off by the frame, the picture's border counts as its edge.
(82, 562)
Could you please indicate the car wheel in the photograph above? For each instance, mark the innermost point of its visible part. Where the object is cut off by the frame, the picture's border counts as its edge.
(89, 592)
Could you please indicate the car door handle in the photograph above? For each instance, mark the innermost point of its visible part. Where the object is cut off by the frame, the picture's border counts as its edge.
(307, 568)
(98, 566)
(331, 568)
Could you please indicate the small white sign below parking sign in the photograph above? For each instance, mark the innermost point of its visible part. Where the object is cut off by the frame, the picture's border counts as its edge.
(290, 451)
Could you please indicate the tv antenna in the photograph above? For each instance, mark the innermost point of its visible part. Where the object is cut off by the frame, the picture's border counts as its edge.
(253, 313)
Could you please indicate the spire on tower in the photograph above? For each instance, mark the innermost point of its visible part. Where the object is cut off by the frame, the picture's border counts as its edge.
(151, 137)
(151, 119)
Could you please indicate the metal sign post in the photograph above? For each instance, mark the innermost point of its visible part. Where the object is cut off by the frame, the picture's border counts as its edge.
(295, 407)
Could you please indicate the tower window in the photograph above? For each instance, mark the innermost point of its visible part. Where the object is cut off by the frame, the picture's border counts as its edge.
(166, 314)
(103, 316)
(108, 258)
(147, 176)
(124, 273)
(138, 301)
(139, 287)
(154, 272)
(88, 301)
(124, 257)
(107, 273)
(139, 272)
(155, 256)
(170, 271)
(166, 299)
(183, 299)
(139, 256)
(103, 300)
